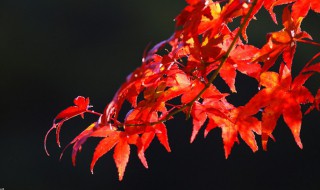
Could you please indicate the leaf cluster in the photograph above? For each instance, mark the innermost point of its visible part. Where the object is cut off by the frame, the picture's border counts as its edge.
(180, 80)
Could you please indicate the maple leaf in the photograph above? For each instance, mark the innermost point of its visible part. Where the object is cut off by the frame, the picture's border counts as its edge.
(121, 157)
(231, 123)
(220, 113)
(316, 103)
(204, 55)
(270, 4)
(283, 41)
(240, 59)
(198, 110)
(146, 116)
(196, 87)
(246, 8)
(112, 139)
(104, 146)
(147, 76)
(233, 10)
(307, 71)
(142, 145)
(120, 141)
(200, 114)
(198, 17)
(81, 106)
(279, 97)
(94, 130)
(301, 8)
(304, 75)
(146, 132)
(146, 138)
(178, 83)
(203, 16)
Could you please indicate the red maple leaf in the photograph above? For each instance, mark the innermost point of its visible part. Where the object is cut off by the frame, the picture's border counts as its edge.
(197, 18)
(279, 97)
(282, 42)
(146, 132)
(213, 102)
(231, 123)
(120, 141)
(270, 4)
(316, 103)
(220, 113)
(301, 8)
(81, 106)
(240, 59)
(112, 138)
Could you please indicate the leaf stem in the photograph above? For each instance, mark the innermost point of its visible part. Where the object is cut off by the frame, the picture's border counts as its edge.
(93, 112)
(308, 42)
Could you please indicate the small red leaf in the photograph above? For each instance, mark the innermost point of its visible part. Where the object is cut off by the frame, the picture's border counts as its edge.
(81, 105)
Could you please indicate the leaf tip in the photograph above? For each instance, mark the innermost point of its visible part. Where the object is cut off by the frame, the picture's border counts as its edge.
(193, 136)
(205, 134)
(120, 177)
(298, 141)
(264, 145)
(226, 154)
(92, 166)
(143, 159)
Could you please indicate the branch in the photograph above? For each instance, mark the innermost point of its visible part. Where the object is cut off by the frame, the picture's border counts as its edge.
(212, 78)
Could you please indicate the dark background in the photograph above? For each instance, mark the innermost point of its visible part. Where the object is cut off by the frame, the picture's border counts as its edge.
(52, 51)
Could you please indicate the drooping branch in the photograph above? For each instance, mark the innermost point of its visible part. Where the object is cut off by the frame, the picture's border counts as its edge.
(201, 49)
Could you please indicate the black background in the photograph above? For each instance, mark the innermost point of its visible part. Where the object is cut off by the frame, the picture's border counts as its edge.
(52, 51)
